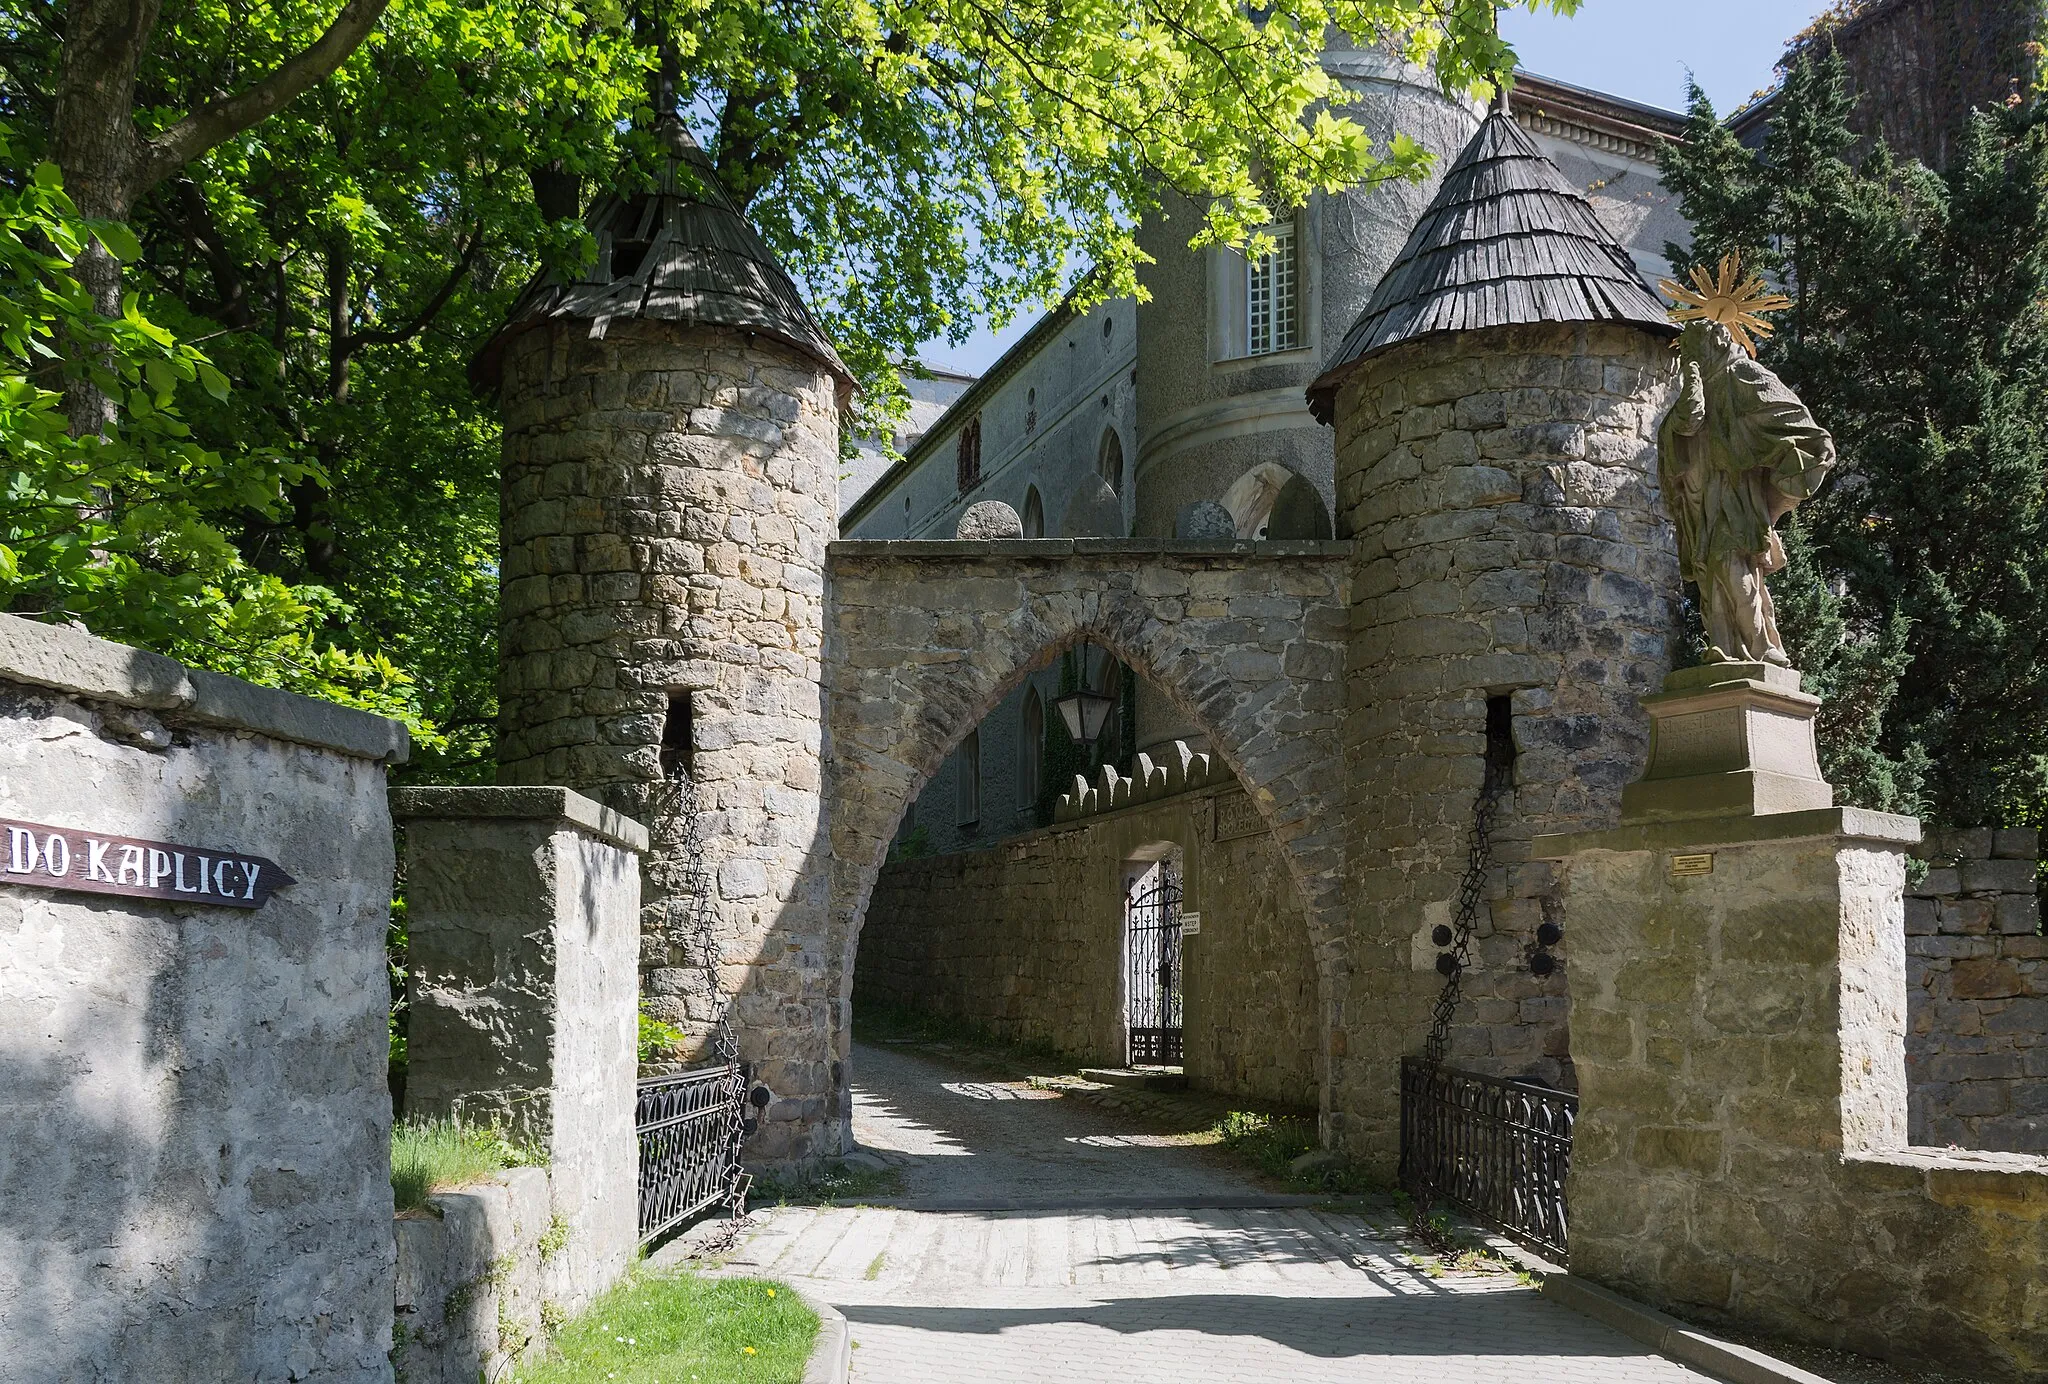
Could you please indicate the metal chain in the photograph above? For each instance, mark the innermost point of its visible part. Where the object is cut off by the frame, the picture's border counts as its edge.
(1499, 778)
(679, 813)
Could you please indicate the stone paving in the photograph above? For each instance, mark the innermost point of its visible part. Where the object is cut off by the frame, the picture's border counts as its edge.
(1088, 1272)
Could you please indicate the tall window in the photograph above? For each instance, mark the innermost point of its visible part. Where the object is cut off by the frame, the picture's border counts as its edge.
(1109, 462)
(1030, 750)
(1034, 514)
(969, 460)
(969, 761)
(1273, 295)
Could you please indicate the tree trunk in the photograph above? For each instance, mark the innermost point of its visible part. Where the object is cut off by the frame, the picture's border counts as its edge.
(101, 155)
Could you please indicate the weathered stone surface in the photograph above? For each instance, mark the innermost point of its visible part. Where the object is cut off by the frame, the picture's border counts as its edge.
(1094, 512)
(1741, 1151)
(1976, 1040)
(1205, 519)
(524, 954)
(195, 1183)
(1501, 491)
(668, 492)
(926, 638)
(1028, 939)
(989, 519)
(477, 1275)
(1298, 512)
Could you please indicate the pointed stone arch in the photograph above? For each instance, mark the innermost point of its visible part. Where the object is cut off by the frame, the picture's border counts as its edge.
(925, 639)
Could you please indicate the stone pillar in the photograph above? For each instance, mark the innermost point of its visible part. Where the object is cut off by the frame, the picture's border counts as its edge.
(1501, 489)
(669, 490)
(1738, 1017)
(195, 1153)
(523, 907)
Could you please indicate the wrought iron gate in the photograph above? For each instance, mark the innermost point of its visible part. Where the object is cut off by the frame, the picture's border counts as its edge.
(1500, 1149)
(689, 1129)
(1152, 930)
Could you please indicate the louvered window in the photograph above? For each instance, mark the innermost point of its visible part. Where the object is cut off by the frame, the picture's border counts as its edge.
(1273, 295)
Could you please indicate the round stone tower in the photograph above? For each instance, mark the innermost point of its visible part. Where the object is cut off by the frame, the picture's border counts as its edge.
(1221, 417)
(669, 485)
(1515, 589)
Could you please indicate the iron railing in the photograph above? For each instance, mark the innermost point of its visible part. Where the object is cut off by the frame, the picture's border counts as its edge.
(1154, 966)
(690, 1128)
(1499, 1149)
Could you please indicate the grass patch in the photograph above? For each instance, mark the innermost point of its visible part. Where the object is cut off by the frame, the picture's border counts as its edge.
(429, 1156)
(675, 1329)
(837, 1185)
(1271, 1143)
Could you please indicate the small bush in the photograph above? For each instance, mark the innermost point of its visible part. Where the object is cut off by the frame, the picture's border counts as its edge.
(429, 1156)
(659, 1039)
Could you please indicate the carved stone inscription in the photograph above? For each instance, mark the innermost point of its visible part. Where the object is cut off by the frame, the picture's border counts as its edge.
(46, 857)
(1235, 817)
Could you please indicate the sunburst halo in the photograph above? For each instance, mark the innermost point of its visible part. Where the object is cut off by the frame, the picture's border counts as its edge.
(1730, 296)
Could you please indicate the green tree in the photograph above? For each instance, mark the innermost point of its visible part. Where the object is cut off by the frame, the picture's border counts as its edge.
(1917, 593)
(341, 204)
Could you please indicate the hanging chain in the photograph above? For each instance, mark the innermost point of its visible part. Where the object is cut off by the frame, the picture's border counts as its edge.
(1499, 778)
(679, 815)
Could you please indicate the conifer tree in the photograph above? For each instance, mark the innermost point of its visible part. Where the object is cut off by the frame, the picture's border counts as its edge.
(1916, 598)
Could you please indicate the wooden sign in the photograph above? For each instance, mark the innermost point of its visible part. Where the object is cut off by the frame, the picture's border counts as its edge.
(1689, 866)
(46, 857)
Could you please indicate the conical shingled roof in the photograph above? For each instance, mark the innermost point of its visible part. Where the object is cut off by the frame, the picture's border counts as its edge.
(680, 253)
(1507, 240)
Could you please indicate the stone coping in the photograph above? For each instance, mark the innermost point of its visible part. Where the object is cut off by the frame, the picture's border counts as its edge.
(1853, 823)
(538, 803)
(71, 661)
(1011, 548)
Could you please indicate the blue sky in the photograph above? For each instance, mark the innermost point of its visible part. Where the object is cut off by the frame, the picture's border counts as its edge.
(1641, 49)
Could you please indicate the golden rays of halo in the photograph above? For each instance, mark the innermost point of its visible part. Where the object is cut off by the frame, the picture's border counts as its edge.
(1735, 299)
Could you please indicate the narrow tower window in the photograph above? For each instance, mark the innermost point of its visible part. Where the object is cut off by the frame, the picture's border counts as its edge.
(1272, 295)
(678, 738)
(1500, 739)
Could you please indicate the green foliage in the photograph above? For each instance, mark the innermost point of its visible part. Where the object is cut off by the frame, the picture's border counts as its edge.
(1271, 1143)
(429, 1156)
(675, 1327)
(658, 1038)
(329, 523)
(1916, 595)
(124, 529)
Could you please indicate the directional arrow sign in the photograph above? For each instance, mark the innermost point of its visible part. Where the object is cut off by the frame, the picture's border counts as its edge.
(91, 862)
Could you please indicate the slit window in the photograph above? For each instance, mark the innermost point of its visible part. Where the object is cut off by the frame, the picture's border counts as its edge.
(1500, 739)
(678, 738)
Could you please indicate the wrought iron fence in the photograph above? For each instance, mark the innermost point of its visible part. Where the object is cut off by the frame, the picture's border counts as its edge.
(1499, 1149)
(690, 1128)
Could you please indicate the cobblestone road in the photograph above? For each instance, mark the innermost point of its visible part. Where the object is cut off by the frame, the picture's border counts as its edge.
(1094, 1277)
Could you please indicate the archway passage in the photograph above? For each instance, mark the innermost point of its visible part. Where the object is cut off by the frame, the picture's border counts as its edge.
(925, 639)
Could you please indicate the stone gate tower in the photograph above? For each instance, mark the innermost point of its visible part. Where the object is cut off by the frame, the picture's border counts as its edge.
(670, 478)
(1514, 592)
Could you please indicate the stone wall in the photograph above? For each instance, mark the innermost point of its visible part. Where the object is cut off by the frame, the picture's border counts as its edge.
(668, 494)
(195, 1182)
(1501, 490)
(1977, 994)
(523, 908)
(1027, 939)
(1246, 640)
(479, 1281)
(1741, 1149)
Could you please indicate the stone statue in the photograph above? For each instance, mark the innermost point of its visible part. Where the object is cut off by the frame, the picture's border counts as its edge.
(1738, 453)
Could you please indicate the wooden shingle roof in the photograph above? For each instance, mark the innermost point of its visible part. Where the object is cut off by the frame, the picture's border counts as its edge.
(680, 253)
(1507, 240)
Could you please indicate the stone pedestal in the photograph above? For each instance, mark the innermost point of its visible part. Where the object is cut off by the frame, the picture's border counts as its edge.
(1738, 1018)
(524, 908)
(1728, 738)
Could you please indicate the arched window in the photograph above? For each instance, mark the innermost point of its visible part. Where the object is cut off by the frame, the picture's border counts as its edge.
(1109, 463)
(1034, 514)
(1030, 750)
(969, 761)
